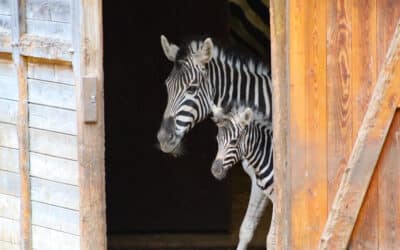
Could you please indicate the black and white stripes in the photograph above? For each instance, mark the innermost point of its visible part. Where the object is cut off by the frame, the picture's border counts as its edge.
(244, 135)
(206, 76)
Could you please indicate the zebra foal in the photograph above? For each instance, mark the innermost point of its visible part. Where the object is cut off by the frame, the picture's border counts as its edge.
(204, 78)
(245, 136)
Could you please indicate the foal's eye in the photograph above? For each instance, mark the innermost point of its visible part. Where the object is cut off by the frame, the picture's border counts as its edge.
(191, 90)
(233, 142)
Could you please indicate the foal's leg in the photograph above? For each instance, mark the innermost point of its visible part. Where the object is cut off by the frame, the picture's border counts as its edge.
(271, 236)
(257, 203)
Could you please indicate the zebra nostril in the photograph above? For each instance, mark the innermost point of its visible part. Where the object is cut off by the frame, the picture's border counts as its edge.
(170, 137)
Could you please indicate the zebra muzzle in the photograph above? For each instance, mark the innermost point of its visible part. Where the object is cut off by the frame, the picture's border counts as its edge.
(218, 170)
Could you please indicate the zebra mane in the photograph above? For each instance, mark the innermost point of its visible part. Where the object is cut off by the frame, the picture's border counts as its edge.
(228, 53)
(220, 114)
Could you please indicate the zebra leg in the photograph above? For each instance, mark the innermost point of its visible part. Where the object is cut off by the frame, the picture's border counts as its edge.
(257, 204)
(271, 237)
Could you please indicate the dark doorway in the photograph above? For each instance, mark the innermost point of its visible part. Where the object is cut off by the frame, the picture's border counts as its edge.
(147, 190)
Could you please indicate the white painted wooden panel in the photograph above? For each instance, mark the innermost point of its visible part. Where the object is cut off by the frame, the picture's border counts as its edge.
(47, 239)
(54, 144)
(51, 72)
(9, 207)
(57, 218)
(5, 7)
(7, 67)
(9, 246)
(52, 94)
(8, 87)
(53, 119)
(8, 135)
(9, 159)
(9, 183)
(52, 168)
(51, 10)
(54, 193)
(8, 111)
(5, 23)
(49, 29)
(9, 230)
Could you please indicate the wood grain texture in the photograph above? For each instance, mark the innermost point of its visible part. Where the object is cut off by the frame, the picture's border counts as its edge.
(280, 80)
(388, 164)
(8, 87)
(45, 47)
(8, 135)
(10, 183)
(9, 231)
(49, 10)
(50, 72)
(339, 91)
(9, 207)
(389, 192)
(308, 122)
(52, 119)
(363, 79)
(47, 239)
(43, 141)
(88, 61)
(57, 194)
(53, 168)
(9, 159)
(366, 150)
(8, 111)
(52, 94)
(56, 218)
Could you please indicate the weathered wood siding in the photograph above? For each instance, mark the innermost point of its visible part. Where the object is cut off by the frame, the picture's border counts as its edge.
(53, 155)
(49, 18)
(336, 49)
(9, 168)
(45, 33)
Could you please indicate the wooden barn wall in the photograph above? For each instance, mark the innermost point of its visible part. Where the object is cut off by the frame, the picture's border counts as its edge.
(336, 49)
(52, 121)
(9, 172)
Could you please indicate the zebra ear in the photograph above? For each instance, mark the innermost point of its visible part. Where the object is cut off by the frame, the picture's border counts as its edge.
(218, 114)
(206, 51)
(246, 117)
(170, 50)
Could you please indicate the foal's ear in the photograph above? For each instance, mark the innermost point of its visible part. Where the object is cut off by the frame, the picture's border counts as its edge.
(246, 117)
(217, 114)
(170, 50)
(206, 51)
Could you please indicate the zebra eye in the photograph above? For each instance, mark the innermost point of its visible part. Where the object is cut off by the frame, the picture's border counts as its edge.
(191, 90)
(233, 142)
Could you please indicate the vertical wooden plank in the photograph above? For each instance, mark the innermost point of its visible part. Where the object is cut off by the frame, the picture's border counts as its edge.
(282, 177)
(18, 28)
(339, 91)
(389, 191)
(88, 61)
(388, 168)
(308, 121)
(364, 74)
(297, 126)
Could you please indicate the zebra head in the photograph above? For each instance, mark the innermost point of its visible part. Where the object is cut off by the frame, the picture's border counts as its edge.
(231, 138)
(188, 94)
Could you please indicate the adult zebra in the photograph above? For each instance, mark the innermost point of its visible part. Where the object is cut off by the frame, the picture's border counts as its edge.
(205, 78)
(245, 135)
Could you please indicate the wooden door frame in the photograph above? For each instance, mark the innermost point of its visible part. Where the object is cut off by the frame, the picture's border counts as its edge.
(88, 70)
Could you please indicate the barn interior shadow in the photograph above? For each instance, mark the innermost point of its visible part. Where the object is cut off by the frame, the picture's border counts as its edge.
(155, 201)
